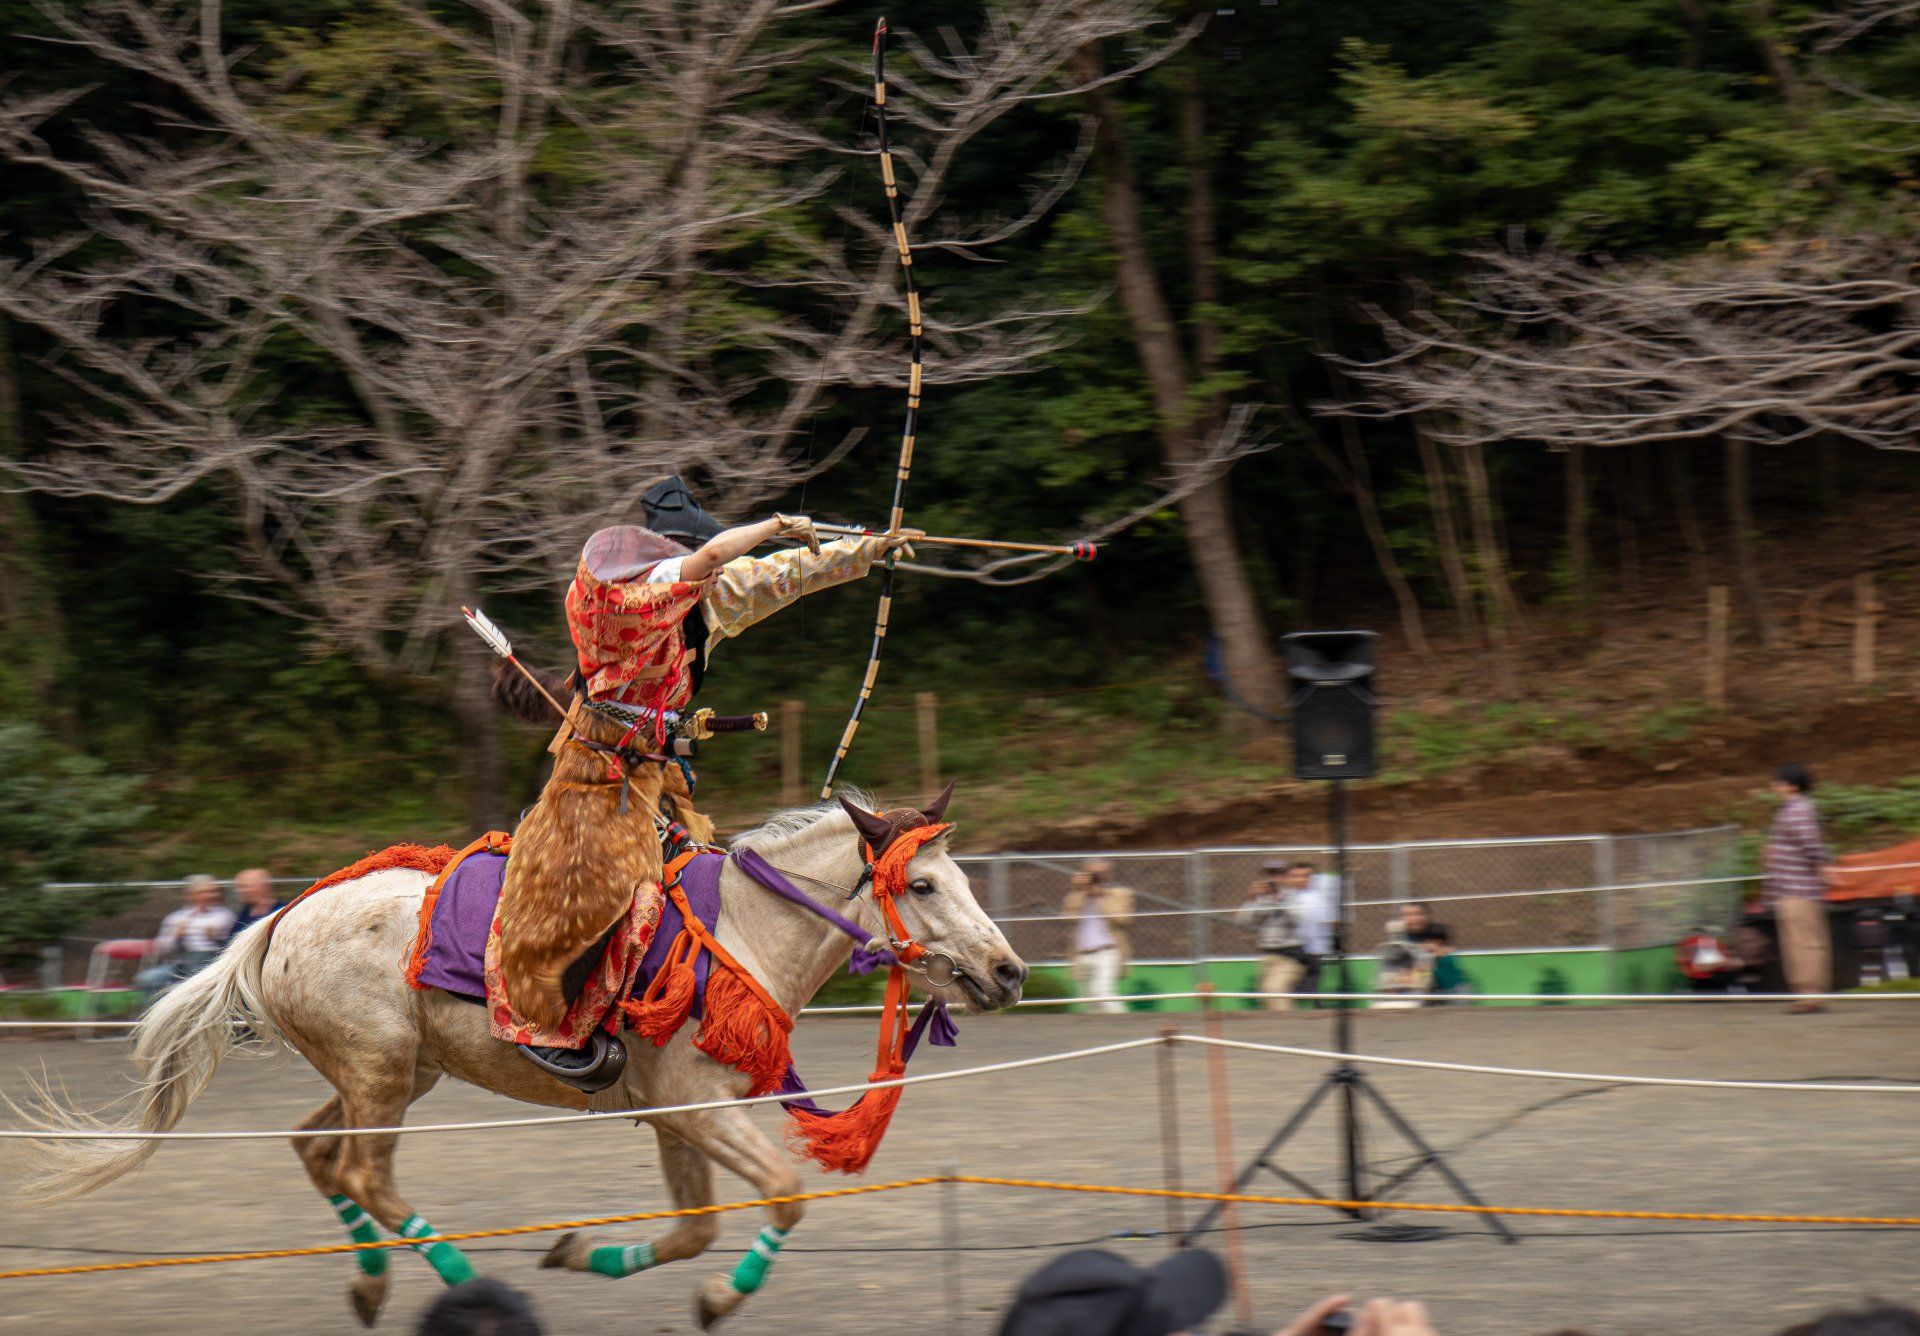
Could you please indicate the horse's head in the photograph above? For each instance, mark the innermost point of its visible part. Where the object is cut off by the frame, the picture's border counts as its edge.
(967, 959)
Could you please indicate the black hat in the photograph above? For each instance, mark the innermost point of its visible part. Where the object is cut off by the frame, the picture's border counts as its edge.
(673, 513)
(1096, 1293)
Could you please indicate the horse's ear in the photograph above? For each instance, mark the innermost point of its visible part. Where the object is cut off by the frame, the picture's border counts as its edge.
(875, 829)
(938, 807)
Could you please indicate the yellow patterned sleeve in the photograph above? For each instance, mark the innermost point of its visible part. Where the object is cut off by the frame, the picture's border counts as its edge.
(749, 589)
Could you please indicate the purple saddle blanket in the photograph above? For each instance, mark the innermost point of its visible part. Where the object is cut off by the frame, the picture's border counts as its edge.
(456, 953)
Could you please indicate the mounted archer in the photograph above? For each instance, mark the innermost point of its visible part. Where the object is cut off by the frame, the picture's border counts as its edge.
(582, 893)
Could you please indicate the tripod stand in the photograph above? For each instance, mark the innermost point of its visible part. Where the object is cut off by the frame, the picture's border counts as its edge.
(1352, 1086)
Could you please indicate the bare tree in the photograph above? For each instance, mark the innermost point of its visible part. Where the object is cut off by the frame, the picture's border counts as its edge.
(1773, 345)
(421, 370)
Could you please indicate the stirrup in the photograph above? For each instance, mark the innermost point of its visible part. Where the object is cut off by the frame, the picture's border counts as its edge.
(593, 1066)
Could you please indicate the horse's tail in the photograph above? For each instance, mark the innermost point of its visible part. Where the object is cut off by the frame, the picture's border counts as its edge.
(177, 1047)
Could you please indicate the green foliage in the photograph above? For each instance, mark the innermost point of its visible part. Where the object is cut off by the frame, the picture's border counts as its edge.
(57, 812)
(1855, 815)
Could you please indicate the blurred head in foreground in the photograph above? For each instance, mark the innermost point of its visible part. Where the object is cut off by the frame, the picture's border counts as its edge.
(481, 1307)
(1096, 1293)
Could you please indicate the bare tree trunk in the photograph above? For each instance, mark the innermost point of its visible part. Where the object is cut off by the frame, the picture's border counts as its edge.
(1740, 522)
(1360, 483)
(1766, 32)
(31, 624)
(1579, 543)
(1203, 266)
(1502, 609)
(1446, 535)
(1207, 513)
(489, 806)
(1685, 517)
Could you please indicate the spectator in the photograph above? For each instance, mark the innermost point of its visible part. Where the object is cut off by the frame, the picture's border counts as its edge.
(190, 937)
(1436, 966)
(1096, 1293)
(483, 1307)
(1273, 912)
(1707, 962)
(1381, 1317)
(1097, 955)
(1876, 1320)
(1796, 891)
(257, 900)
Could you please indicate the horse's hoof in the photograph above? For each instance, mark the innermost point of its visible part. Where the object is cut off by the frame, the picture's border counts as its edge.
(367, 1294)
(715, 1300)
(568, 1253)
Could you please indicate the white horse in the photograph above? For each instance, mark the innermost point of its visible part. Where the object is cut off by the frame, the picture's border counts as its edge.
(328, 982)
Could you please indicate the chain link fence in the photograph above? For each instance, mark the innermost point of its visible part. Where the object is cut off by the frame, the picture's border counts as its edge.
(1520, 894)
(1618, 891)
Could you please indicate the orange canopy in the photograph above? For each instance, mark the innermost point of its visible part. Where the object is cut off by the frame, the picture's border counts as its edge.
(1876, 875)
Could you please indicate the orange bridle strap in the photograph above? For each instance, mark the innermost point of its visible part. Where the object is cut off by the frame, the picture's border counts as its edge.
(890, 882)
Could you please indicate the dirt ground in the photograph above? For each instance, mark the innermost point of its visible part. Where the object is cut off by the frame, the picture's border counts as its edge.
(875, 1264)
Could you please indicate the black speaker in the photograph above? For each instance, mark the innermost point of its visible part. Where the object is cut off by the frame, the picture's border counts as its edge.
(1333, 704)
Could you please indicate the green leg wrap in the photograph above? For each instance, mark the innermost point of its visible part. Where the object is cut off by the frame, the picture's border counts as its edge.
(615, 1261)
(751, 1274)
(360, 1228)
(451, 1264)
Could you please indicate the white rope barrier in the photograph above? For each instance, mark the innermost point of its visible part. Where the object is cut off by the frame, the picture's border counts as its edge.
(554, 1120)
(1545, 1074)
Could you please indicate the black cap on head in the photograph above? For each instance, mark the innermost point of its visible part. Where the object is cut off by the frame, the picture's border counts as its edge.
(1096, 1293)
(672, 511)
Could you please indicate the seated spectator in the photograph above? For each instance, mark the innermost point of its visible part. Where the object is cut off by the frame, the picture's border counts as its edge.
(257, 900)
(1706, 960)
(190, 937)
(1097, 1293)
(1435, 968)
(483, 1307)
(1400, 971)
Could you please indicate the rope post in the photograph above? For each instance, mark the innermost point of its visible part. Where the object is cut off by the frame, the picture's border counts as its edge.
(1866, 618)
(793, 722)
(950, 1240)
(1223, 1160)
(926, 708)
(1170, 1132)
(1717, 619)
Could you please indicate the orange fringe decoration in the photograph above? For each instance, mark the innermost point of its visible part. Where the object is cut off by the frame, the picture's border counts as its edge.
(413, 857)
(847, 1141)
(744, 1027)
(664, 1007)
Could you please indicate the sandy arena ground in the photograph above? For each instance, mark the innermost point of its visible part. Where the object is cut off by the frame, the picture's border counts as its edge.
(872, 1264)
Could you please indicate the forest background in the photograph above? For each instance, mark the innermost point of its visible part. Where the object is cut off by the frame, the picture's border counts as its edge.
(1531, 321)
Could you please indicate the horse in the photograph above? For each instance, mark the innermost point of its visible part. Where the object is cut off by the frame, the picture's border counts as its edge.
(324, 976)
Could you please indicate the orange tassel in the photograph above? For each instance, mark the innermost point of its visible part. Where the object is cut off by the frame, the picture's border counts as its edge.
(844, 1142)
(664, 1007)
(742, 1031)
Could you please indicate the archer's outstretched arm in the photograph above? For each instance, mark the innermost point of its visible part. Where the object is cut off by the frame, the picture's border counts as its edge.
(750, 589)
(730, 544)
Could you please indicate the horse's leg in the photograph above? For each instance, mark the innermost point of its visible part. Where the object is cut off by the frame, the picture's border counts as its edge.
(364, 1168)
(689, 1176)
(729, 1138)
(321, 1156)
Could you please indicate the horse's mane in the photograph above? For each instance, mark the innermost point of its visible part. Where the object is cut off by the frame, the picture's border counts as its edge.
(796, 821)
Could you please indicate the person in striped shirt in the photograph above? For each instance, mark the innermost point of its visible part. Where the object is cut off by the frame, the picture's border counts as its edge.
(1795, 859)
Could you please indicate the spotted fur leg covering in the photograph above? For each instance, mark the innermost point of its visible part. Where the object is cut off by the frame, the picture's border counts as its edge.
(447, 1261)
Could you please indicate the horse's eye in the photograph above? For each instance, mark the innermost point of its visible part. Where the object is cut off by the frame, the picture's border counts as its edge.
(921, 886)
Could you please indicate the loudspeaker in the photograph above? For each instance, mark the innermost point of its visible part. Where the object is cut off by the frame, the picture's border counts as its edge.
(1333, 704)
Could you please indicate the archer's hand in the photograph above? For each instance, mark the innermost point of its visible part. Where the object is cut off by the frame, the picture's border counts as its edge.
(798, 529)
(899, 540)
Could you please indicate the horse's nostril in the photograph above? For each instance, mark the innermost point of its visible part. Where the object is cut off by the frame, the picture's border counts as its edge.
(1010, 974)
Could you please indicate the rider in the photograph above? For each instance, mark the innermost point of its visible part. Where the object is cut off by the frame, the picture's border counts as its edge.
(646, 608)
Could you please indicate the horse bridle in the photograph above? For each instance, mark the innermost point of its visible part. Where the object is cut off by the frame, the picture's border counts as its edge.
(917, 963)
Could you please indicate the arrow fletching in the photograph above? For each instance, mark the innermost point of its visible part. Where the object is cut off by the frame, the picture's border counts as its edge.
(484, 628)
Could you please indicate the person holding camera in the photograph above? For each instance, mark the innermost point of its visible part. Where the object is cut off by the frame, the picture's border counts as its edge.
(1096, 911)
(1273, 912)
